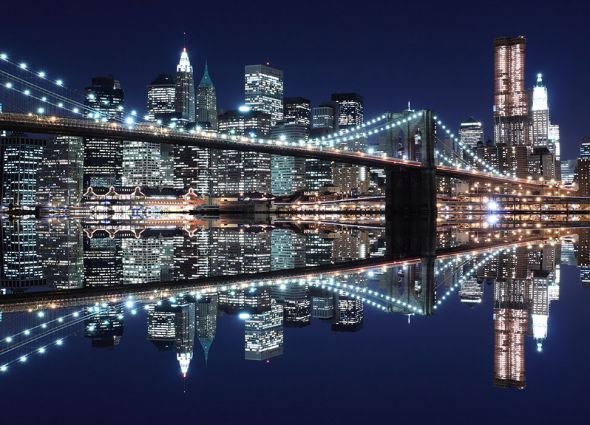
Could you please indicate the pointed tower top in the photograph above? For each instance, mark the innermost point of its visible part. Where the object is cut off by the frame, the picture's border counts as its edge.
(206, 80)
(540, 80)
(184, 65)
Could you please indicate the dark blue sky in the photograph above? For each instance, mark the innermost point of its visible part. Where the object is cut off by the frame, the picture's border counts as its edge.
(436, 54)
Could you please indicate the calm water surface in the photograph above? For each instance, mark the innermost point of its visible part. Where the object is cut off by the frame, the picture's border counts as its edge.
(220, 321)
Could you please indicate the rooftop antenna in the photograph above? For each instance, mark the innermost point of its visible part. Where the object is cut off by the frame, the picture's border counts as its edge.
(184, 40)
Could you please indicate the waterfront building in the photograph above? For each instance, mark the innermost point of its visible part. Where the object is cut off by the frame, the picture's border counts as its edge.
(21, 158)
(61, 173)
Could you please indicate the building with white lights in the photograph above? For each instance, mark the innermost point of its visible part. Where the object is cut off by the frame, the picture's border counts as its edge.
(185, 89)
(263, 90)
(103, 158)
(511, 110)
(21, 158)
(264, 334)
(161, 98)
(471, 133)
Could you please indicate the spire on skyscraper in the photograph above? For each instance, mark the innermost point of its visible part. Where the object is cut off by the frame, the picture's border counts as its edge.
(206, 80)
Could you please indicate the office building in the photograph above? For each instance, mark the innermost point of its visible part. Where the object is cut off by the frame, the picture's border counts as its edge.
(185, 90)
(297, 111)
(584, 168)
(21, 158)
(206, 322)
(141, 164)
(161, 98)
(569, 171)
(510, 328)
(242, 172)
(103, 158)
(540, 114)
(471, 133)
(348, 314)
(264, 334)
(287, 172)
(511, 111)
(263, 90)
(62, 172)
(349, 109)
(324, 116)
(105, 328)
(20, 263)
(206, 102)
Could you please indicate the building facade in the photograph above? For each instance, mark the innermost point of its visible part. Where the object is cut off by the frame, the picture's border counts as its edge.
(511, 111)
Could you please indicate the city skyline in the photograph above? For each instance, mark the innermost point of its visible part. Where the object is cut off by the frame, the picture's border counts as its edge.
(422, 87)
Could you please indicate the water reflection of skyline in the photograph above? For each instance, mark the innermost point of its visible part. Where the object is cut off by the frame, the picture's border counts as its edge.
(524, 279)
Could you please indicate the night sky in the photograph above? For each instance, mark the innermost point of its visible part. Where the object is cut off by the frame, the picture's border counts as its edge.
(436, 54)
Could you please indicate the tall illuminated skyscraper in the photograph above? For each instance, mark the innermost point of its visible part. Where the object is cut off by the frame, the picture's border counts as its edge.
(510, 328)
(540, 113)
(207, 101)
(510, 96)
(103, 158)
(263, 90)
(161, 97)
(185, 89)
(61, 175)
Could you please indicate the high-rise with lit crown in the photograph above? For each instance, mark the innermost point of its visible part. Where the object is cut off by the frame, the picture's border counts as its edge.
(207, 101)
(510, 96)
(185, 89)
(540, 113)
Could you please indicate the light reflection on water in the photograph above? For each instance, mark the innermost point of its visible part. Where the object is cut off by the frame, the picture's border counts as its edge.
(179, 286)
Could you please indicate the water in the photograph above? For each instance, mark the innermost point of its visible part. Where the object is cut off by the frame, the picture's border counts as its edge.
(289, 321)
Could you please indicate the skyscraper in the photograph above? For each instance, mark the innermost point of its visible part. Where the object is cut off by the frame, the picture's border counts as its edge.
(207, 101)
(20, 159)
(185, 89)
(510, 327)
(161, 98)
(141, 164)
(297, 110)
(349, 113)
(103, 158)
(510, 96)
(471, 133)
(584, 167)
(323, 116)
(242, 172)
(349, 109)
(206, 322)
(61, 175)
(264, 334)
(540, 113)
(263, 90)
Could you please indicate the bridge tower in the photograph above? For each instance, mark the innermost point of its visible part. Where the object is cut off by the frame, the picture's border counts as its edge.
(410, 199)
